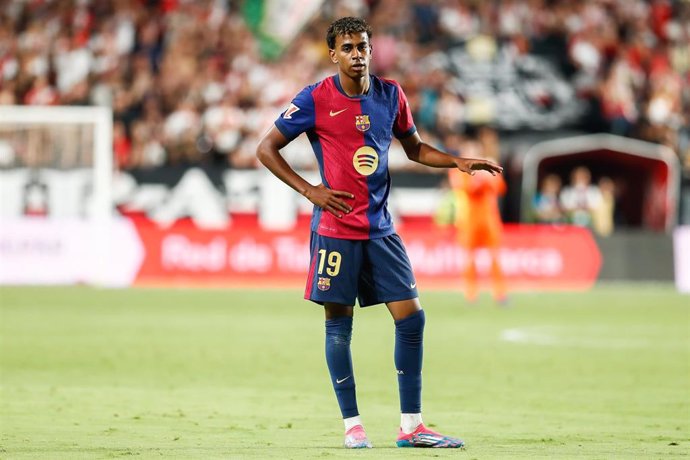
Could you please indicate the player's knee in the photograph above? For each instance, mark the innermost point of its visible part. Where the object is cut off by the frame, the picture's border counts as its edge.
(339, 330)
(411, 328)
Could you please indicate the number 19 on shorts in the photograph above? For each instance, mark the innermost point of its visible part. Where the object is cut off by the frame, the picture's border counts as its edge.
(332, 259)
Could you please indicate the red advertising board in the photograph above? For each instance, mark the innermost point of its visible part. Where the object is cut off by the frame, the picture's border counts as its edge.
(533, 257)
(241, 256)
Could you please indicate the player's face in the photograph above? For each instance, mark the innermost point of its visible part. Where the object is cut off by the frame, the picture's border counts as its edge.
(352, 53)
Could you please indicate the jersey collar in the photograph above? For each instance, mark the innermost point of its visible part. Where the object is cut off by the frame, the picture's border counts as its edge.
(336, 80)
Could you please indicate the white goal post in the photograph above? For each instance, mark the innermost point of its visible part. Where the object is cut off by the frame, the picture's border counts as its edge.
(58, 223)
(15, 118)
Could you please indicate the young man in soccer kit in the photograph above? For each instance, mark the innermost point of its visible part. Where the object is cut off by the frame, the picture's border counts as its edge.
(350, 119)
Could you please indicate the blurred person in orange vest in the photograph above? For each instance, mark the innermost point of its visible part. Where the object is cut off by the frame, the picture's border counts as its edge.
(477, 217)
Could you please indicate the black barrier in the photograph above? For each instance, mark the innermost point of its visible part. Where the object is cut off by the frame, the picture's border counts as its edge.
(636, 256)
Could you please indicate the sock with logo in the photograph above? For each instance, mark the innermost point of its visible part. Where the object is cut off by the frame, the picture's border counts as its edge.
(409, 334)
(339, 360)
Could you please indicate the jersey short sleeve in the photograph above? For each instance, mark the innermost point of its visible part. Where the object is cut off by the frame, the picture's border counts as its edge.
(404, 124)
(299, 116)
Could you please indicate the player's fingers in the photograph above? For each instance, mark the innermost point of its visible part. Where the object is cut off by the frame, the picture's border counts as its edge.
(334, 211)
(342, 193)
(340, 204)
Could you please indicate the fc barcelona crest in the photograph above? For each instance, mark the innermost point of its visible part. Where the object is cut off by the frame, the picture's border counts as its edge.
(324, 284)
(362, 122)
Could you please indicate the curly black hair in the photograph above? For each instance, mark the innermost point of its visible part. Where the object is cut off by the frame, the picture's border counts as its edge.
(346, 26)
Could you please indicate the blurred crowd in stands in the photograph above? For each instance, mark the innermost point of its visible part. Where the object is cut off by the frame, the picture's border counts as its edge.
(188, 85)
(580, 202)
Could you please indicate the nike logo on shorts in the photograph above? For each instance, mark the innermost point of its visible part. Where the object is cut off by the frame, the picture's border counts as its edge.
(413, 285)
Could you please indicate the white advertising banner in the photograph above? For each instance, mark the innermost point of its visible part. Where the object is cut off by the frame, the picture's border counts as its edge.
(681, 258)
(49, 252)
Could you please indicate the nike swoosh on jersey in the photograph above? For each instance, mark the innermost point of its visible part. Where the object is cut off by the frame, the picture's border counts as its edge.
(342, 380)
(332, 113)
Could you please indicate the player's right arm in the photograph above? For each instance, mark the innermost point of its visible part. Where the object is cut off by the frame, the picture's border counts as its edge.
(268, 153)
(423, 153)
(300, 117)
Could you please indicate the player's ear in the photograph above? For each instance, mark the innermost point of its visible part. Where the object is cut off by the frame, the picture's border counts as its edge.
(334, 58)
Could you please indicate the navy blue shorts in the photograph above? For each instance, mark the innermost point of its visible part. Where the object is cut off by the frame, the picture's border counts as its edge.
(371, 271)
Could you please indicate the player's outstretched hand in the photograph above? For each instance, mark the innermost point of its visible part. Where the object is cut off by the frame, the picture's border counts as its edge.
(330, 200)
(472, 165)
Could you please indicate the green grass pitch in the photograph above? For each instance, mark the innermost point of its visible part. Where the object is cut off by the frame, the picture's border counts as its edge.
(91, 373)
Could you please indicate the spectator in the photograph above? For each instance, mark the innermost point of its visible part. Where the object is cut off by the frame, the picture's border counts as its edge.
(602, 215)
(618, 98)
(580, 198)
(122, 147)
(41, 92)
(546, 205)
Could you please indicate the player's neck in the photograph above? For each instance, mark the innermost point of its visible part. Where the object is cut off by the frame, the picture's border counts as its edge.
(355, 86)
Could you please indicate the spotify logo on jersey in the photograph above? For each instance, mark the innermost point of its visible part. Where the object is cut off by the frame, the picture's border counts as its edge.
(365, 160)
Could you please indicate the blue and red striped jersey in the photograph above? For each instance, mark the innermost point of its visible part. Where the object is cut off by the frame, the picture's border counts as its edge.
(350, 137)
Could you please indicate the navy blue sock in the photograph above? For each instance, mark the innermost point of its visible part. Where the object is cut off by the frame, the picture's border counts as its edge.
(409, 335)
(339, 360)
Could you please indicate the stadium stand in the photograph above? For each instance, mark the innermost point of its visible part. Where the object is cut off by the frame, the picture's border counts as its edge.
(189, 86)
